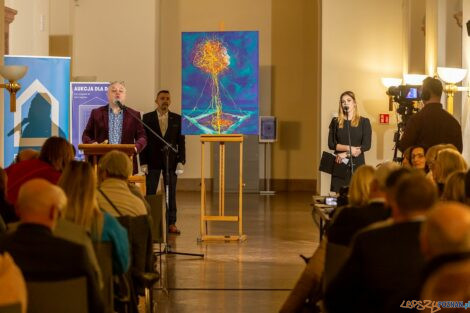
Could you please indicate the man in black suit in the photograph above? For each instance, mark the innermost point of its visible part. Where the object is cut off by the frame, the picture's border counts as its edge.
(168, 125)
(432, 125)
(38, 253)
(385, 259)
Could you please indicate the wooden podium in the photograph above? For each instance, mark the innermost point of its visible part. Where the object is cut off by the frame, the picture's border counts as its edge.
(221, 217)
(94, 151)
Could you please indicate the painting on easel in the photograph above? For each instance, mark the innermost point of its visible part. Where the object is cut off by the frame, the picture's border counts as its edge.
(220, 83)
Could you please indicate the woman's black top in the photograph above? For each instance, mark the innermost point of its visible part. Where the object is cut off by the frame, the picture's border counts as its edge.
(360, 137)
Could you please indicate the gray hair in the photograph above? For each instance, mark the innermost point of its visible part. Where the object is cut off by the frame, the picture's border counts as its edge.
(116, 164)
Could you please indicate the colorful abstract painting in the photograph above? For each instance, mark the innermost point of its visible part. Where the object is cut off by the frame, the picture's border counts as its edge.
(220, 83)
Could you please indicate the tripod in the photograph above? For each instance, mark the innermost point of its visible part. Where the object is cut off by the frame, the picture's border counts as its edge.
(166, 150)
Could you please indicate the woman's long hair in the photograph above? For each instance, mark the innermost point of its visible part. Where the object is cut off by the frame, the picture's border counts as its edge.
(447, 162)
(359, 189)
(79, 184)
(341, 116)
(57, 152)
(454, 189)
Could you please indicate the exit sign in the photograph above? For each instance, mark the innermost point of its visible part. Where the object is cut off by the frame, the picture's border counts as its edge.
(384, 118)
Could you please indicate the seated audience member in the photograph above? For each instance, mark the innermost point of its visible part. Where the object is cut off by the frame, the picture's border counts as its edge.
(55, 153)
(12, 285)
(417, 158)
(39, 254)
(351, 219)
(406, 158)
(115, 168)
(447, 162)
(385, 259)
(79, 184)
(431, 155)
(454, 188)
(445, 242)
(7, 211)
(26, 154)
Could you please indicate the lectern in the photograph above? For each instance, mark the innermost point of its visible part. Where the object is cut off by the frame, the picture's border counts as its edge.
(92, 153)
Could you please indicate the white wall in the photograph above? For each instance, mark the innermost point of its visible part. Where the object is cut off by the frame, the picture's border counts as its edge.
(356, 60)
(115, 40)
(29, 32)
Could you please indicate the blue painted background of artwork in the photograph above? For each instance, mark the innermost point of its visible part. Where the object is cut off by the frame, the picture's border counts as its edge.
(44, 90)
(238, 84)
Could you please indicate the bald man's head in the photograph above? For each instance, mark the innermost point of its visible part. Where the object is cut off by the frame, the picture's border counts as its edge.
(446, 229)
(27, 154)
(40, 202)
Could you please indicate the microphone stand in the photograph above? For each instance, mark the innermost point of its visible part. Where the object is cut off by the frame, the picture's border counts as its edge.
(349, 141)
(166, 149)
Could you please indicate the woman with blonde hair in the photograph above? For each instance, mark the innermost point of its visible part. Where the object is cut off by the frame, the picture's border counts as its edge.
(79, 184)
(454, 189)
(349, 128)
(447, 162)
(359, 189)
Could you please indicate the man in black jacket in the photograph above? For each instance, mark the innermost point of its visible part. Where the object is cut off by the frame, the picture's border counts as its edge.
(38, 253)
(385, 259)
(432, 125)
(168, 125)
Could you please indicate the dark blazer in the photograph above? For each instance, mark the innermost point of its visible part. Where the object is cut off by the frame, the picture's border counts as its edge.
(349, 220)
(152, 154)
(383, 262)
(431, 126)
(97, 128)
(43, 257)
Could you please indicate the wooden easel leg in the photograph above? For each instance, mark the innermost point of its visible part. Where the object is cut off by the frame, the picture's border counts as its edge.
(223, 181)
(240, 193)
(203, 192)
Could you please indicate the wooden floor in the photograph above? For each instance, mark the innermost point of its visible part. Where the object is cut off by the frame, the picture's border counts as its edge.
(251, 276)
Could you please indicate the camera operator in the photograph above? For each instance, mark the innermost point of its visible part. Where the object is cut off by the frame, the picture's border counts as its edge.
(432, 125)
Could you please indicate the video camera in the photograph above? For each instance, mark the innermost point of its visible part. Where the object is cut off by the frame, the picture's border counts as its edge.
(405, 93)
(405, 96)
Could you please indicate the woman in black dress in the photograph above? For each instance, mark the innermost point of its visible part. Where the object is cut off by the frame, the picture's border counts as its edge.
(361, 132)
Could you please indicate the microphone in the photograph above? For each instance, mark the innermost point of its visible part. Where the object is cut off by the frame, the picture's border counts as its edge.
(345, 109)
(119, 104)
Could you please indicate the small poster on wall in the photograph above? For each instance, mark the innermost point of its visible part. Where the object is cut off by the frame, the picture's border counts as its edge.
(220, 82)
(84, 97)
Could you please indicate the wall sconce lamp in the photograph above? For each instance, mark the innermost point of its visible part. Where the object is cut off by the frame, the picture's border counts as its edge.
(390, 82)
(12, 73)
(451, 76)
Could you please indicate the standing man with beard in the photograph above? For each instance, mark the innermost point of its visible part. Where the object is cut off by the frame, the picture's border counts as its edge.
(168, 125)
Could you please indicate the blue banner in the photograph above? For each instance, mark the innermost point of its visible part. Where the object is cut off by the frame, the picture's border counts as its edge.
(85, 97)
(42, 104)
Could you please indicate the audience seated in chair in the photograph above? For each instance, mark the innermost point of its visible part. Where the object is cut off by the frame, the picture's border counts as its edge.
(26, 154)
(12, 284)
(79, 184)
(385, 259)
(445, 242)
(352, 218)
(447, 162)
(38, 253)
(115, 167)
(454, 189)
(7, 210)
(55, 153)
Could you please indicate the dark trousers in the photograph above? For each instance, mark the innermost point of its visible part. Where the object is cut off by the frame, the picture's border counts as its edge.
(151, 183)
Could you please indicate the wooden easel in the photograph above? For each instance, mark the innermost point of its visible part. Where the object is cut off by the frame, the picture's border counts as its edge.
(221, 217)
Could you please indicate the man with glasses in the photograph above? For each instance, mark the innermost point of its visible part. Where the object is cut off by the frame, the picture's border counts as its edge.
(110, 124)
